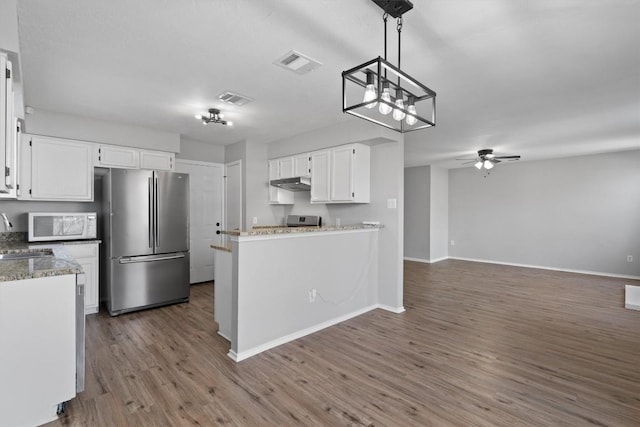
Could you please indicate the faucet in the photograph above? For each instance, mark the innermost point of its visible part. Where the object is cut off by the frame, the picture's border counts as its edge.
(7, 224)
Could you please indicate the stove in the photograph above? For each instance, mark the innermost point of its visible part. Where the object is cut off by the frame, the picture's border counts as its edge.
(304, 221)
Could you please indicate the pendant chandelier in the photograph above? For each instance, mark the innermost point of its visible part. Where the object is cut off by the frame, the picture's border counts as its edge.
(384, 94)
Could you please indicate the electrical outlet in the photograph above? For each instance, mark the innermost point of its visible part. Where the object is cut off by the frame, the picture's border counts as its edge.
(255, 220)
(629, 258)
(312, 295)
(453, 242)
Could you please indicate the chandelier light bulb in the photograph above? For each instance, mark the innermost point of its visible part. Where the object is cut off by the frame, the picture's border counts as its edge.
(478, 165)
(229, 123)
(370, 92)
(198, 116)
(488, 165)
(384, 108)
(411, 118)
(398, 114)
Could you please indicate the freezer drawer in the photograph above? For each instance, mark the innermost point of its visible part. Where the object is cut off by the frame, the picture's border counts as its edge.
(148, 281)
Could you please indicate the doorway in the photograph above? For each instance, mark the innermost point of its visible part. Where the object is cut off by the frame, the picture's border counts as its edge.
(206, 215)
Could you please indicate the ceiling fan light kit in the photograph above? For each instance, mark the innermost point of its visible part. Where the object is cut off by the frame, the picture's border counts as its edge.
(487, 159)
(214, 116)
(371, 84)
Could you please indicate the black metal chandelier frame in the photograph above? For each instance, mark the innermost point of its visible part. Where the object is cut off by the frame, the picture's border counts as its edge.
(376, 72)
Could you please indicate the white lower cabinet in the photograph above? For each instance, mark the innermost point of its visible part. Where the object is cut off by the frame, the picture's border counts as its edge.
(56, 169)
(86, 254)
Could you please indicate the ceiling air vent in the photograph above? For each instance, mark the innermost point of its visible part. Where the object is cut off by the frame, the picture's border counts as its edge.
(297, 62)
(234, 98)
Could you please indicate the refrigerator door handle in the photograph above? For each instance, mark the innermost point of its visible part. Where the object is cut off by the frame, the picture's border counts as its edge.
(155, 198)
(149, 259)
(151, 216)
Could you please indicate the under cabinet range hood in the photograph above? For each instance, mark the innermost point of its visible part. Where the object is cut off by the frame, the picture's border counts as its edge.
(292, 184)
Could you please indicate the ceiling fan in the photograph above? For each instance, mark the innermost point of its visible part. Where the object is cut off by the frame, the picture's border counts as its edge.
(487, 160)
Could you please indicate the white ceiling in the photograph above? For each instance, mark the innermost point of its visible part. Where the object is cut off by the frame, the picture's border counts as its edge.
(542, 79)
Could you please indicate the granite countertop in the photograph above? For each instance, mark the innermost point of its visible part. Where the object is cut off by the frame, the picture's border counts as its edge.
(226, 248)
(58, 264)
(270, 230)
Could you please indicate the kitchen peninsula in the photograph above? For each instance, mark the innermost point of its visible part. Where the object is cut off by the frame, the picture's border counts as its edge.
(38, 361)
(277, 284)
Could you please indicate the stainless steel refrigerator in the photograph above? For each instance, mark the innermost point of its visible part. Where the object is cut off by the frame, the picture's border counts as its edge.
(146, 232)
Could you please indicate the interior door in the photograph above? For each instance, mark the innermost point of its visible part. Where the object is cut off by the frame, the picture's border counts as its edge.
(131, 213)
(172, 212)
(205, 215)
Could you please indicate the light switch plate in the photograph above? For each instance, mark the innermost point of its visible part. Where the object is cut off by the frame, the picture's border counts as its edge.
(392, 203)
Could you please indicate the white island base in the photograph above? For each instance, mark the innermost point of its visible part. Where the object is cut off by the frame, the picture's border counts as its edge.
(285, 286)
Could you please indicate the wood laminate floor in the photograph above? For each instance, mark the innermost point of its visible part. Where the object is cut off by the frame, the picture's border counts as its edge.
(478, 345)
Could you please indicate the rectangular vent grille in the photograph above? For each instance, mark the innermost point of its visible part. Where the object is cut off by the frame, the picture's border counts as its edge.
(234, 98)
(297, 62)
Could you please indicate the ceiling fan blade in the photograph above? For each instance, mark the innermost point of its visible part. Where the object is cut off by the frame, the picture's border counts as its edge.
(467, 159)
(507, 157)
(468, 163)
(495, 160)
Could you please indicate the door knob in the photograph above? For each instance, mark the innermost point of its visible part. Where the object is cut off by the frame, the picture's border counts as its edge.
(217, 224)
(217, 231)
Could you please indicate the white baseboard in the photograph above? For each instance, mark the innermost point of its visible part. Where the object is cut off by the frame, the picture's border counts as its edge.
(427, 261)
(542, 267)
(298, 334)
(396, 310)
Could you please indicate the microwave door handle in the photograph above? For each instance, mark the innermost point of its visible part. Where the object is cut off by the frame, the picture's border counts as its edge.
(150, 196)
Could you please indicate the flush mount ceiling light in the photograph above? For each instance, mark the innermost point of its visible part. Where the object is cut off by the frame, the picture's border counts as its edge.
(376, 88)
(215, 116)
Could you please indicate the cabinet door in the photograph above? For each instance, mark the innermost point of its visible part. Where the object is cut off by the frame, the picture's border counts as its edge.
(111, 156)
(301, 165)
(273, 174)
(8, 131)
(342, 174)
(61, 169)
(278, 196)
(285, 167)
(87, 256)
(320, 176)
(157, 160)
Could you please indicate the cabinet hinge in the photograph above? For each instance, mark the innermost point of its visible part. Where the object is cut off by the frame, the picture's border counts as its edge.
(30, 142)
(29, 191)
(7, 73)
(17, 187)
(354, 151)
(7, 171)
(353, 194)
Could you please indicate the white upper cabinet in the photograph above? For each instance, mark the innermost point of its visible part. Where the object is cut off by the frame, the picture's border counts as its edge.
(56, 169)
(113, 156)
(157, 160)
(278, 196)
(302, 165)
(285, 167)
(320, 176)
(9, 130)
(341, 174)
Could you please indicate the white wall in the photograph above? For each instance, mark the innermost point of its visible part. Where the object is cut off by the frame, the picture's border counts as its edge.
(579, 213)
(201, 151)
(417, 213)
(439, 217)
(255, 183)
(49, 123)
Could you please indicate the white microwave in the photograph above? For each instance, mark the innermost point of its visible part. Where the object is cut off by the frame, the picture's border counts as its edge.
(51, 226)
